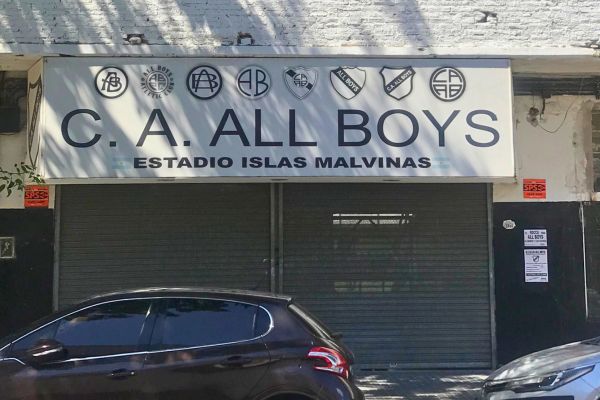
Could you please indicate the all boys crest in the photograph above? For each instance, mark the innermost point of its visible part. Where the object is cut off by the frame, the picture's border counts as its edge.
(397, 82)
(300, 80)
(348, 81)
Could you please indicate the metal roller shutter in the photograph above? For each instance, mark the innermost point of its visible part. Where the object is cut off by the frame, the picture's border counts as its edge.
(124, 236)
(400, 269)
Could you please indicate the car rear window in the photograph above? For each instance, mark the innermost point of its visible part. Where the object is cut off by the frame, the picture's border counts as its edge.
(311, 322)
(205, 322)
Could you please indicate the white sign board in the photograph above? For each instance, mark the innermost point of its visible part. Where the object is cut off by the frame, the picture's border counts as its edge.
(277, 117)
(535, 238)
(536, 265)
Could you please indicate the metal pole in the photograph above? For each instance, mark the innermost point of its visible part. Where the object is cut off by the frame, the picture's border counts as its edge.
(490, 222)
(273, 234)
(585, 286)
(56, 271)
(280, 234)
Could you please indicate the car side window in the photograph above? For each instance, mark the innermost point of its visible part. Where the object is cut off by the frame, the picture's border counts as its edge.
(111, 328)
(204, 322)
(20, 347)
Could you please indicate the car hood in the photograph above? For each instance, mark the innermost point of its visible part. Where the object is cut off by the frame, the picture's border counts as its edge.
(559, 358)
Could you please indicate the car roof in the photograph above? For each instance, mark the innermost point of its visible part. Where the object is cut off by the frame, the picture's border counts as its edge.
(230, 294)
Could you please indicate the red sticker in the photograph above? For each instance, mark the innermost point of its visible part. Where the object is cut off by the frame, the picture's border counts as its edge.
(36, 196)
(534, 188)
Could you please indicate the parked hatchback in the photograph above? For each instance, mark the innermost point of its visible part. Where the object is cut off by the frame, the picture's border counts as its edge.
(178, 344)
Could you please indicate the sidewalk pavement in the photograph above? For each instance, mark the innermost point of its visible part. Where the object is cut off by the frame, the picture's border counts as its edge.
(421, 385)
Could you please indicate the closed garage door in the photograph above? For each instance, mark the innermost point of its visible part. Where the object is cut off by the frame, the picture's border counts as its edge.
(400, 269)
(124, 236)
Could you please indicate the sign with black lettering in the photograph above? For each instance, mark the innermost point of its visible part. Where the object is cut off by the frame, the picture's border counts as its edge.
(535, 238)
(284, 117)
(536, 265)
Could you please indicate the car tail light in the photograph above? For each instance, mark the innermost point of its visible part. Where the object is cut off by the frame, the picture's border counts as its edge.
(329, 360)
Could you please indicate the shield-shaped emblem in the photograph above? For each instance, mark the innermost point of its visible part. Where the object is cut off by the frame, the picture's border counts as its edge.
(300, 80)
(348, 81)
(397, 82)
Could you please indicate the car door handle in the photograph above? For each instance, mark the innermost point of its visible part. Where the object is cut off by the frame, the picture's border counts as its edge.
(237, 361)
(121, 374)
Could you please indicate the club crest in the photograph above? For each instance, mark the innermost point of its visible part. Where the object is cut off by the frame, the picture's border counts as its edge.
(348, 81)
(300, 81)
(447, 83)
(397, 82)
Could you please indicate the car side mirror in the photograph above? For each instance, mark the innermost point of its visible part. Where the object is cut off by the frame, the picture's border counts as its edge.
(46, 351)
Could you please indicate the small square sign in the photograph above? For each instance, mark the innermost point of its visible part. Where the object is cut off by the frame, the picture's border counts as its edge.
(535, 238)
(7, 248)
(36, 196)
(534, 188)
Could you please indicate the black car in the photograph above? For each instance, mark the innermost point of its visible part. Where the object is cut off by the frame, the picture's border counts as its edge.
(178, 344)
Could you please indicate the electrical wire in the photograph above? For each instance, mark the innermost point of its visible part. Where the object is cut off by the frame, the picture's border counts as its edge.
(566, 112)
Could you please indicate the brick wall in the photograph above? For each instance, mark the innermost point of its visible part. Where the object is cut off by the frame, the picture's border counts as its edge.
(383, 23)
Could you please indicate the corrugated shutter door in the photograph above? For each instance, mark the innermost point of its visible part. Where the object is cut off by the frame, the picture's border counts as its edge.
(400, 269)
(123, 236)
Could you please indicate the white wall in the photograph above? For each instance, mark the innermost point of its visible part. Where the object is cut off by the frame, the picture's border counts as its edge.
(327, 23)
(13, 150)
(561, 157)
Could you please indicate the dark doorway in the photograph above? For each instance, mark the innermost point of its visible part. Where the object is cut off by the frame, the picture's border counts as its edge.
(26, 279)
(533, 316)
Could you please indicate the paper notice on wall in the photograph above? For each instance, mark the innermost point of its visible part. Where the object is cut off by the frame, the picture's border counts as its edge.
(535, 238)
(536, 265)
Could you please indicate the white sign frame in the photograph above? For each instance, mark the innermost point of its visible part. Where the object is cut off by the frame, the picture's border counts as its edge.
(404, 142)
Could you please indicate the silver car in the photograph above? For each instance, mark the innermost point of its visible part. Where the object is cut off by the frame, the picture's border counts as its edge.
(568, 372)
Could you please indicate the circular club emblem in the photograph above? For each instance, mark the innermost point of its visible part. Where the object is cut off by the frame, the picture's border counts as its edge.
(111, 82)
(253, 82)
(447, 83)
(204, 82)
(158, 82)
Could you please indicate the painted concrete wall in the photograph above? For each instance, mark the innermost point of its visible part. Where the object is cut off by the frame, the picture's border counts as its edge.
(560, 153)
(327, 23)
(13, 150)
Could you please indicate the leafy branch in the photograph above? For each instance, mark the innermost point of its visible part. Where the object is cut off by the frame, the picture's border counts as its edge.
(16, 179)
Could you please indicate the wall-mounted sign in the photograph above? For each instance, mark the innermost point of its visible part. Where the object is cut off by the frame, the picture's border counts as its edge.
(536, 265)
(36, 196)
(535, 238)
(7, 248)
(534, 188)
(277, 117)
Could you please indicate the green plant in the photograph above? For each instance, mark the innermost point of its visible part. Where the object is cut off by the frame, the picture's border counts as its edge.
(17, 178)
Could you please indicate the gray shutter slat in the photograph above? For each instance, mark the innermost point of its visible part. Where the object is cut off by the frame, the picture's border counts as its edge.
(124, 236)
(401, 270)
